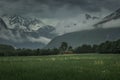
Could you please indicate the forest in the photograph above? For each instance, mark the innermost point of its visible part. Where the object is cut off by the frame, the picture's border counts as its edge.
(108, 47)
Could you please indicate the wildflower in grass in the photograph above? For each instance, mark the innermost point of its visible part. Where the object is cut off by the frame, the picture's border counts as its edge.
(65, 58)
(103, 71)
(106, 71)
(99, 62)
(53, 59)
(39, 59)
(75, 58)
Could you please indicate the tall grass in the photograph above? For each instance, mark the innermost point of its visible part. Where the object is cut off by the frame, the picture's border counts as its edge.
(62, 67)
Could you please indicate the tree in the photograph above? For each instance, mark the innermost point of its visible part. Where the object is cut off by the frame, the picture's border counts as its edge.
(70, 48)
(84, 49)
(63, 47)
(94, 48)
(37, 52)
(6, 50)
(105, 47)
(55, 51)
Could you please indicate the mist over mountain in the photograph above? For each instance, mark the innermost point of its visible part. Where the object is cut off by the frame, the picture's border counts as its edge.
(25, 22)
(79, 23)
(105, 29)
(25, 32)
(109, 18)
(94, 36)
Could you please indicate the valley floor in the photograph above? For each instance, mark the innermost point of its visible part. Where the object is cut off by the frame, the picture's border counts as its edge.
(61, 67)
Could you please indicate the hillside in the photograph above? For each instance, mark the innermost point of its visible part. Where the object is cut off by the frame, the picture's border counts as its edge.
(94, 36)
(6, 48)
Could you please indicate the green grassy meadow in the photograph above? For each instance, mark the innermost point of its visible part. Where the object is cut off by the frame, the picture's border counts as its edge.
(61, 67)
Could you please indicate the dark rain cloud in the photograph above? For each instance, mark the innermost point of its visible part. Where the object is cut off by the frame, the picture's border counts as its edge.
(50, 8)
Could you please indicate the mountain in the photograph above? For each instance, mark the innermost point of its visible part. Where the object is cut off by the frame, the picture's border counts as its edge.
(20, 22)
(4, 48)
(88, 16)
(25, 32)
(93, 36)
(2, 24)
(113, 16)
(47, 31)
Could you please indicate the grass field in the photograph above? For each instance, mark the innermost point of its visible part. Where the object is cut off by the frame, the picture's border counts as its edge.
(61, 67)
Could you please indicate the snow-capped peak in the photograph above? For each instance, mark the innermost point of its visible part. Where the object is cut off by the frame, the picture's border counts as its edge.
(25, 23)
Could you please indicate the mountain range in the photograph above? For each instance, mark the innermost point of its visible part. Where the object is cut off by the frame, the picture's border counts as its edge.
(25, 32)
(93, 36)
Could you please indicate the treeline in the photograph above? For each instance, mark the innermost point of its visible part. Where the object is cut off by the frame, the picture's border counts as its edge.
(8, 50)
(28, 52)
(103, 48)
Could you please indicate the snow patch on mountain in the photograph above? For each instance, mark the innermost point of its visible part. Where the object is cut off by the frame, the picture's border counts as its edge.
(27, 24)
(19, 30)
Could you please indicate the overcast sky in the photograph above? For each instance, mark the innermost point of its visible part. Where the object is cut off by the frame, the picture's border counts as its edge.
(56, 12)
(56, 8)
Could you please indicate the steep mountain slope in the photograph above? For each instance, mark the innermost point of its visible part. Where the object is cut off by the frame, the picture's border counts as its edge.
(25, 32)
(4, 48)
(113, 16)
(94, 36)
(2, 24)
(20, 22)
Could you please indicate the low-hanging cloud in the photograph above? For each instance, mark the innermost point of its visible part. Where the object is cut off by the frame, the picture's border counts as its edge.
(112, 23)
(9, 36)
(43, 40)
